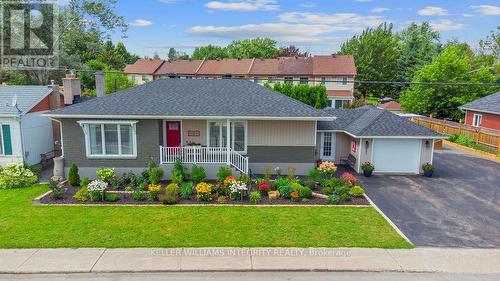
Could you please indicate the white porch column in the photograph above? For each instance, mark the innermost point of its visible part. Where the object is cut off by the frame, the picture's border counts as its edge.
(228, 142)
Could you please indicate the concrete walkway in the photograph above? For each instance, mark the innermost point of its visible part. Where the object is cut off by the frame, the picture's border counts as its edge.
(446, 260)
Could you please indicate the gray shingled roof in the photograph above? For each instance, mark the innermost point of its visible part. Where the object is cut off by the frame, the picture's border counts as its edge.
(195, 97)
(27, 97)
(490, 103)
(370, 121)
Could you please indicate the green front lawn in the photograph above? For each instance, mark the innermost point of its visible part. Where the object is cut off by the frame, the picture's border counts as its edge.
(23, 225)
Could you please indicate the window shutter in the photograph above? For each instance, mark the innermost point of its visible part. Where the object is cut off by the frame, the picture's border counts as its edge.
(7, 140)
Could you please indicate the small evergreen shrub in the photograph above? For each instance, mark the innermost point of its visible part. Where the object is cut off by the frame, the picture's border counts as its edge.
(285, 191)
(255, 197)
(314, 175)
(176, 177)
(186, 190)
(171, 194)
(155, 175)
(333, 199)
(280, 182)
(111, 197)
(357, 191)
(85, 182)
(345, 197)
(138, 195)
(57, 193)
(82, 194)
(73, 176)
(305, 192)
(223, 173)
(197, 174)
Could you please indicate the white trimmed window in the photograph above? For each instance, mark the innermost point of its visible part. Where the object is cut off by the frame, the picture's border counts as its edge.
(342, 80)
(477, 120)
(110, 139)
(217, 135)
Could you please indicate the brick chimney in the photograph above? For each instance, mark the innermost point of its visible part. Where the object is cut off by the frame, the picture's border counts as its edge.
(72, 88)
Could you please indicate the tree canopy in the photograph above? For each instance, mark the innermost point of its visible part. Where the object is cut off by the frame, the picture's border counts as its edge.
(453, 64)
(313, 95)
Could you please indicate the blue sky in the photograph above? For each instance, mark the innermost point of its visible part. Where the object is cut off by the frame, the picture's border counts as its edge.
(313, 25)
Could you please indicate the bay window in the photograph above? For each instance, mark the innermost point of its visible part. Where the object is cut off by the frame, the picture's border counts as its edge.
(110, 139)
(217, 135)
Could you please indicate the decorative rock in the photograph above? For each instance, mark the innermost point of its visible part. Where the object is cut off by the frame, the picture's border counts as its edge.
(273, 195)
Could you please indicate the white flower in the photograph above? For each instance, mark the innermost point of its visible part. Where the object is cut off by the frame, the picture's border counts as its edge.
(238, 187)
(97, 185)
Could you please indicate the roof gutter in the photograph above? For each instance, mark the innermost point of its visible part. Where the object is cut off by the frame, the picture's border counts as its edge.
(479, 110)
(384, 137)
(150, 117)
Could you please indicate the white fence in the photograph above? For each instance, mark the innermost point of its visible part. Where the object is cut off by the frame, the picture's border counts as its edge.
(203, 155)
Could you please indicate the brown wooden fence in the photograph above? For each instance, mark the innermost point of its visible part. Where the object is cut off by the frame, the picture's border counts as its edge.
(482, 136)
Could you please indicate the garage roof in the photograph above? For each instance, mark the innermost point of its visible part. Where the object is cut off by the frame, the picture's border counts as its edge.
(369, 121)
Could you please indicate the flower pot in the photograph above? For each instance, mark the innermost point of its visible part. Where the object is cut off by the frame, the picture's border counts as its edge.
(367, 173)
(428, 173)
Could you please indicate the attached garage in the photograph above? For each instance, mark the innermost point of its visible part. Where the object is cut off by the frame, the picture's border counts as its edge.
(393, 144)
(397, 155)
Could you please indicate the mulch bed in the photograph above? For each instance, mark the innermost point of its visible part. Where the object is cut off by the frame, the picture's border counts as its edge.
(126, 198)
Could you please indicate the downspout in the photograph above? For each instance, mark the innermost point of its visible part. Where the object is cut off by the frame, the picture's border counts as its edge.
(60, 132)
(22, 138)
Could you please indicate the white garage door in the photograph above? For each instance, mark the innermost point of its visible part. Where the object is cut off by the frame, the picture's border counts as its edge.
(396, 155)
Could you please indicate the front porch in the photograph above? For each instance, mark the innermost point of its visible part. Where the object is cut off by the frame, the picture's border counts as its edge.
(213, 156)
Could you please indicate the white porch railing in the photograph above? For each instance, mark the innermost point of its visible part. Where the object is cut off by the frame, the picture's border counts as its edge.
(203, 155)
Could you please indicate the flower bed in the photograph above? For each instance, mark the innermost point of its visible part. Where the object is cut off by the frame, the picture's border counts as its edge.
(146, 189)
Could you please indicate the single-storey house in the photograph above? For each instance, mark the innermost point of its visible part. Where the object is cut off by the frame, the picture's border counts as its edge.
(483, 112)
(25, 134)
(214, 123)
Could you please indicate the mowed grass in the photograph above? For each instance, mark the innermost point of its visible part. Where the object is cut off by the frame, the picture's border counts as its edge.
(23, 225)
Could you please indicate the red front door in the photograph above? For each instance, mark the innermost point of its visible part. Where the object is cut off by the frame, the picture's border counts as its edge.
(173, 133)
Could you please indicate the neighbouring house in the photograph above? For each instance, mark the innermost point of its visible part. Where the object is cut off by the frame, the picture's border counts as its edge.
(392, 143)
(483, 112)
(143, 70)
(229, 122)
(25, 133)
(390, 104)
(336, 72)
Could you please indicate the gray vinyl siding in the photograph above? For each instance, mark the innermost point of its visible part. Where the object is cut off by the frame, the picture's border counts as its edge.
(281, 154)
(148, 137)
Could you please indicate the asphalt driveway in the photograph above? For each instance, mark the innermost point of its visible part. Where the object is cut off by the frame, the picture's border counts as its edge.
(458, 207)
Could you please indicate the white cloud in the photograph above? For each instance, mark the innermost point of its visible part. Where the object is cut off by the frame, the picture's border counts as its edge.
(445, 25)
(308, 5)
(342, 21)
(275, 30)
(432, 11)
(244, 5)
(141, 22)
(379, 10)
(489, 10)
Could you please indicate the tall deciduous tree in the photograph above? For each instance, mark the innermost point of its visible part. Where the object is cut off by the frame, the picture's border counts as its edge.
(209, 52)
(454, 64)
(262, 48)
(290, 51)
(376, 53)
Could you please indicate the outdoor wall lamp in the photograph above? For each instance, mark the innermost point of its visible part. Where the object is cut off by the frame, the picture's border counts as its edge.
(367, 145)
(427, 144)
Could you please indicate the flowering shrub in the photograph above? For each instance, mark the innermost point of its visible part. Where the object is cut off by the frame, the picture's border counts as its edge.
(327, 168)
(236, 189)
(204, 191)
(295, 196)
(154, 188)
(349, 177)
(16, 176)
(264, 187)
(229, 180)
(106, 174)
(96, 189)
